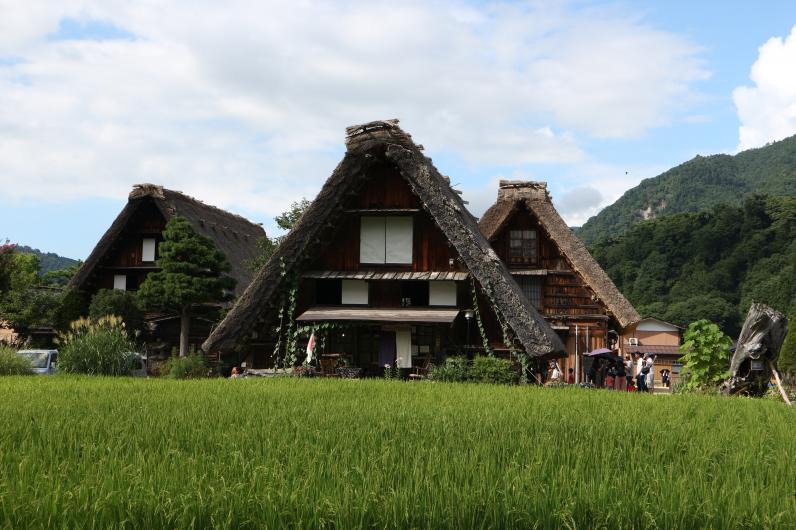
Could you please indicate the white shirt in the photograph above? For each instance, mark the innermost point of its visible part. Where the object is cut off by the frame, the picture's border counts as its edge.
(639, 365)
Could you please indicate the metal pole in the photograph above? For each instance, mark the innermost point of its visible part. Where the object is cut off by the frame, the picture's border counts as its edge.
(577, 356)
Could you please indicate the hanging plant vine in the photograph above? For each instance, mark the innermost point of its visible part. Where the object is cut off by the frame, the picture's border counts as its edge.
(287, 307)
(277, 354)
(481, 329)
(508, 340)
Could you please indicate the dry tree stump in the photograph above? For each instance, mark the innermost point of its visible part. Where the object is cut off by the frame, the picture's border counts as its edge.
(755, 357)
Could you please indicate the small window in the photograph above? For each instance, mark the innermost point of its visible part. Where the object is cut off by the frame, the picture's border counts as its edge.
(386, 240)
(148, 250)
(532, 289)
(355, 292)
(414, 294)
(120, 282)
(523, 247)
(442, 293)
(328, 292)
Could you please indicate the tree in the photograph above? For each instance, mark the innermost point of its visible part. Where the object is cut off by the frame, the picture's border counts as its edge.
(787, 355)
(705, 352)
(6, 258)
(123, 304)
(28, 299)
(192, 271)
(286, 221)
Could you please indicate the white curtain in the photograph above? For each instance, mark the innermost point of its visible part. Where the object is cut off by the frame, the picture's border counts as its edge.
(398, 236)
(371, 240)
(403, 347)
(442, 293)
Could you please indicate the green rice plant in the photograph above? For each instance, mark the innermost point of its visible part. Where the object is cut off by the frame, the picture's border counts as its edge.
(96, 347)
(290, 452)
(12, 363)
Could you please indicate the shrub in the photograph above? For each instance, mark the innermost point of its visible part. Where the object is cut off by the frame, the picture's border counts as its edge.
(123, 304)
(96, 347)
(487, 369)
(787, 355)
(454, 369)
(12, 363)
(192, 366)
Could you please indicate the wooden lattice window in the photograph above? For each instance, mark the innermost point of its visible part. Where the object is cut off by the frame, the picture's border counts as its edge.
(523, 247)
(532, 289)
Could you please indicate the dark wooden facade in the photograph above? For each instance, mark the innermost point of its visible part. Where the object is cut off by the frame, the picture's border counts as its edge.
(559, 293)
(387, 194)
(125, 253)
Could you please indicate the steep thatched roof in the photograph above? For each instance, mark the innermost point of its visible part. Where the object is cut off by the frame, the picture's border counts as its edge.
(513, 194)
(369, 145)
(235, 236)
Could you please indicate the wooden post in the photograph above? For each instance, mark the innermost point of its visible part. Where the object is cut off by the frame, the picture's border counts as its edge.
(779, 383)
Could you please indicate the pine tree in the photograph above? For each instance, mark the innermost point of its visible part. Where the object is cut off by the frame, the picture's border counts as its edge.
(192, 271)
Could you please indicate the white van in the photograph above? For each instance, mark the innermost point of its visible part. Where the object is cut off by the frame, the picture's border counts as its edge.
(43, 361)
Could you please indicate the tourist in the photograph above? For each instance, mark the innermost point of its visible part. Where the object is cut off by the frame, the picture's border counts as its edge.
(628, 371)
(665, 377)
(639, 364)
(650, 374)
(555, 373)
(641, 378)
(610, 376)
(620, 383)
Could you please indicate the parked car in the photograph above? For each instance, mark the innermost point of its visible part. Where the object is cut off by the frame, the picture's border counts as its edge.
(43, 361)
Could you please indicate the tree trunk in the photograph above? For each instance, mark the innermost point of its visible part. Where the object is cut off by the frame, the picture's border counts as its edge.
(185, 325)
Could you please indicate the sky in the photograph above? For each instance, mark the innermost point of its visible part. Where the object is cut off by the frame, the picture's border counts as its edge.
(244, 104)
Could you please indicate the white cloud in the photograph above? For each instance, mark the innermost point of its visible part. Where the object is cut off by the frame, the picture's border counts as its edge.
(244, 104)
(767, 110)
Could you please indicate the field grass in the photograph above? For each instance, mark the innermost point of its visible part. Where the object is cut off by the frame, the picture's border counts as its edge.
(95, 453)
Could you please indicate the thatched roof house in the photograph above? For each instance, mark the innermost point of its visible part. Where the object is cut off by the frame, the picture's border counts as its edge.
(381, 155)
(514, 195)
(556, 271)
(128, 247)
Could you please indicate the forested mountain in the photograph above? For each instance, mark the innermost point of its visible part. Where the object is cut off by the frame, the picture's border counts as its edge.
(698, 184)
(711, 264)
(48, 261)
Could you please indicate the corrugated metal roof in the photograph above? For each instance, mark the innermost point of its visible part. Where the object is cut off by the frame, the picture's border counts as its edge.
(377, 275)
(654, 349)
(371, 314)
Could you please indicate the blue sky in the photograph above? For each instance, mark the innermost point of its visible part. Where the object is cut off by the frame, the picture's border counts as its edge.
(244, 106)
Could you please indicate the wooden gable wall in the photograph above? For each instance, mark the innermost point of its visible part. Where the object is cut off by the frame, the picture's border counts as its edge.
(124, 255)
(387, 190)
(565, 293)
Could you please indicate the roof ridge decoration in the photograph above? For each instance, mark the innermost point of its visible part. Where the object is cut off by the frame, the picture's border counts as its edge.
(535, 197)
(368, 145)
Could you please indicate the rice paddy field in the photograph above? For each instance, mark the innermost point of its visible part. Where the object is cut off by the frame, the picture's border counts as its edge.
(303, 453)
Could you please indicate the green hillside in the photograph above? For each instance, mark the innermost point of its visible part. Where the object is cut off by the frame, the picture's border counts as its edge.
(711, 264)
(48, 261)
(699, 184)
